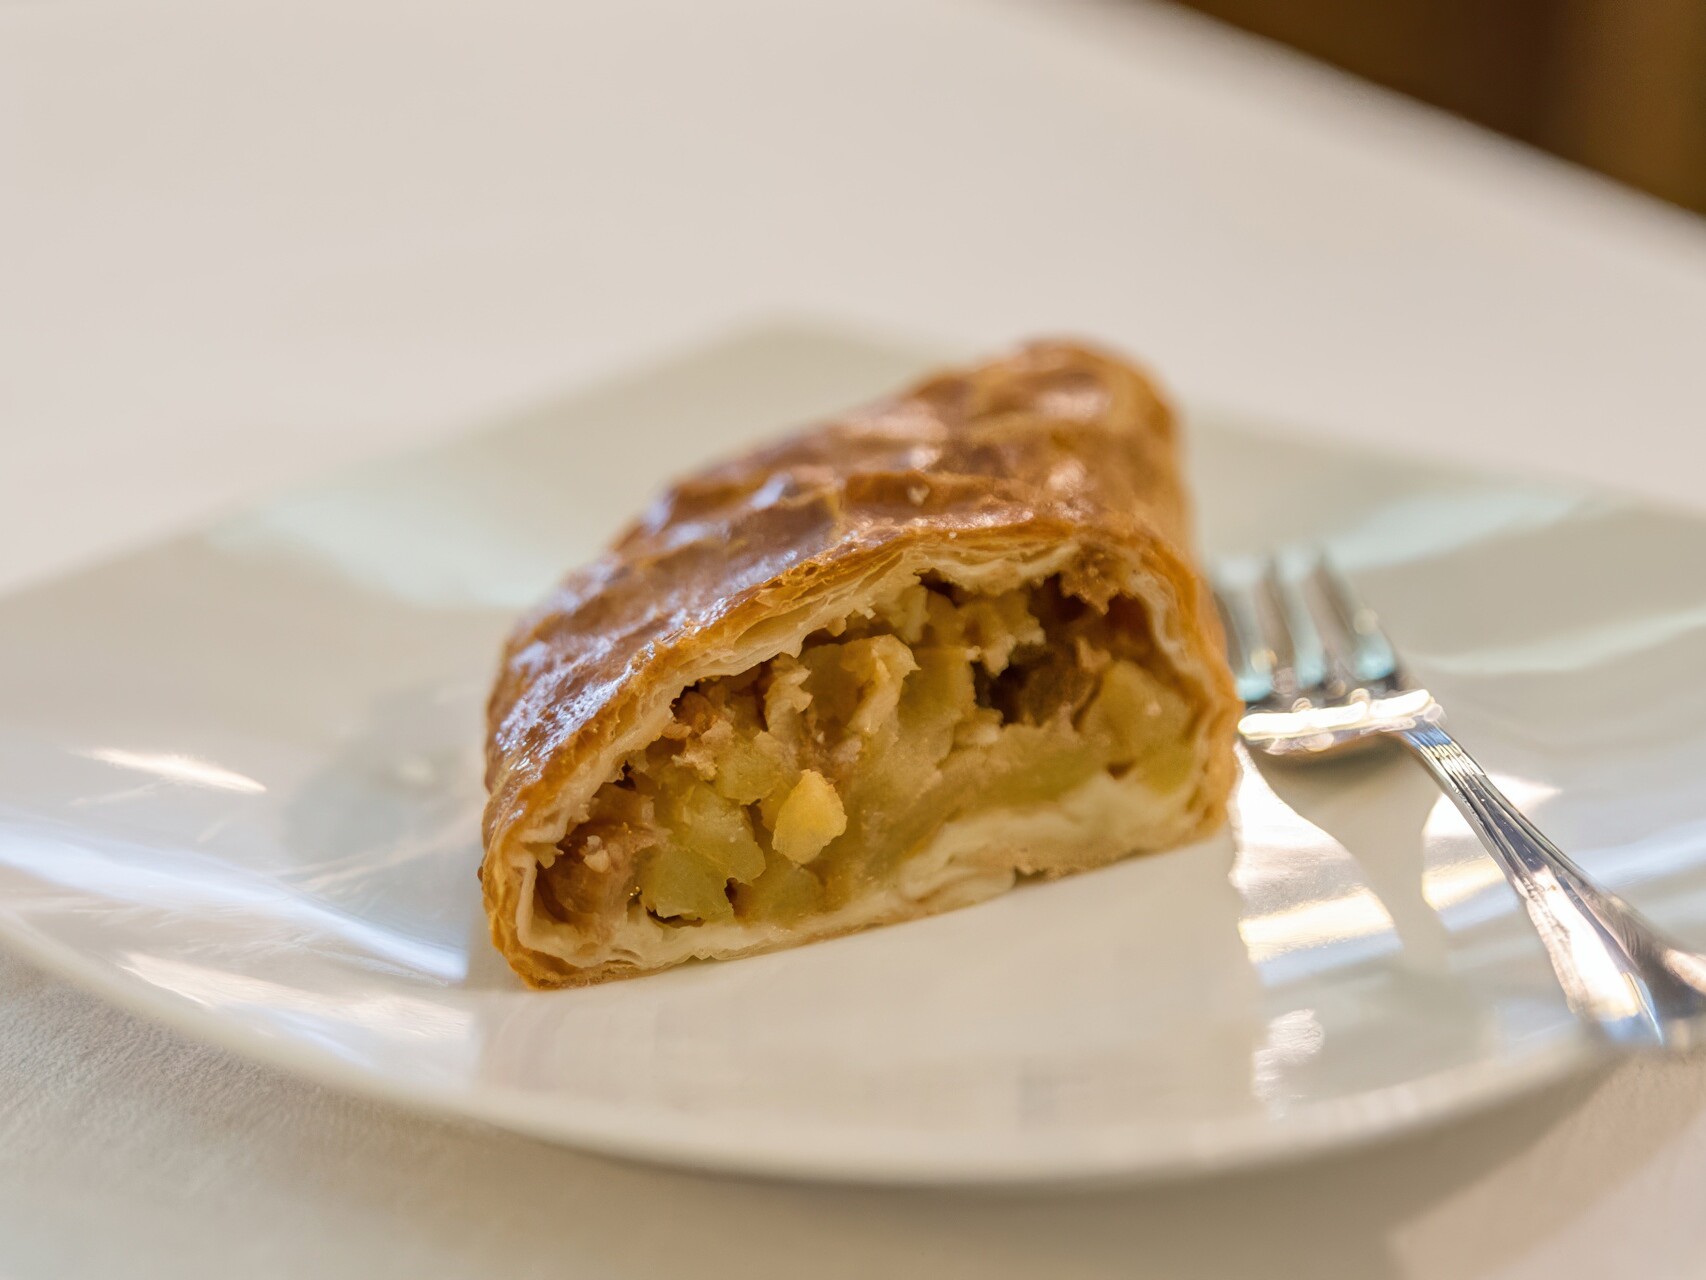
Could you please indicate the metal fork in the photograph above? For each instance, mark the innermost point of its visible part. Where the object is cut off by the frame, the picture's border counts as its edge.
(1319, 678)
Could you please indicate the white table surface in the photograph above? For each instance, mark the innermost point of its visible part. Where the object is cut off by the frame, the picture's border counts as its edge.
(240, 244)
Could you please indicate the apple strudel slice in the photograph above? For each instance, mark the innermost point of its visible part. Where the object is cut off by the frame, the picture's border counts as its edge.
(878, 670)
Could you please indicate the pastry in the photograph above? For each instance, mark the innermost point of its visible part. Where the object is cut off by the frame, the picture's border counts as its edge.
(877, 670)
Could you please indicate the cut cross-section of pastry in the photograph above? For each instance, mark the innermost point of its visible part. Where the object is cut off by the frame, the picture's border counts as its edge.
(875, 671)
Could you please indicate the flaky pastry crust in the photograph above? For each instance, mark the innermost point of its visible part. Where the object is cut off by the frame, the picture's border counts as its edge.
(1054, 460)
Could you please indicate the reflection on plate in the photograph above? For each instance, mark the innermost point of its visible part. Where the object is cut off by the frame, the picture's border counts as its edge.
(240, 787)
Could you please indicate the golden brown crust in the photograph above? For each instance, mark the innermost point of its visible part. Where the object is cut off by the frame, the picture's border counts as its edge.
(1055, 445)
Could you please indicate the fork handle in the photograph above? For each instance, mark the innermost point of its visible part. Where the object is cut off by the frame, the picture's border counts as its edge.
(1619, 974)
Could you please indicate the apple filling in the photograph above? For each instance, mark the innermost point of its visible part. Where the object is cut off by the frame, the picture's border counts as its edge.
(796, 787)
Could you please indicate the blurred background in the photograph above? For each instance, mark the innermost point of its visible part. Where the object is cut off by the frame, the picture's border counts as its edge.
(271, 239)
(1616, 85)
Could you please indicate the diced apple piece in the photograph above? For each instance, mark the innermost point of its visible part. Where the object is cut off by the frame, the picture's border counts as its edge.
(1143, 723)
(881, 665)
(710, 842)
(833, 689)
(717, 830)
(997, 625)
(749, 769)
(1132, 712)
(935, 698)
(786, 700)
(1028, 763)
(676, 883)
(1166, 767)
(943, 624)
(855, 685)
(906, 613)
(784, 894)
(809, 819)
(890, 797)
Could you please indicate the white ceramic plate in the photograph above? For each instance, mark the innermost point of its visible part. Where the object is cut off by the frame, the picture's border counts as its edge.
(240, 787)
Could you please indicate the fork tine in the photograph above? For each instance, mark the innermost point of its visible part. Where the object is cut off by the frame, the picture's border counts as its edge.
(1369, 657)
(1251, 660)
(1339, 641)
(1300, 657)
